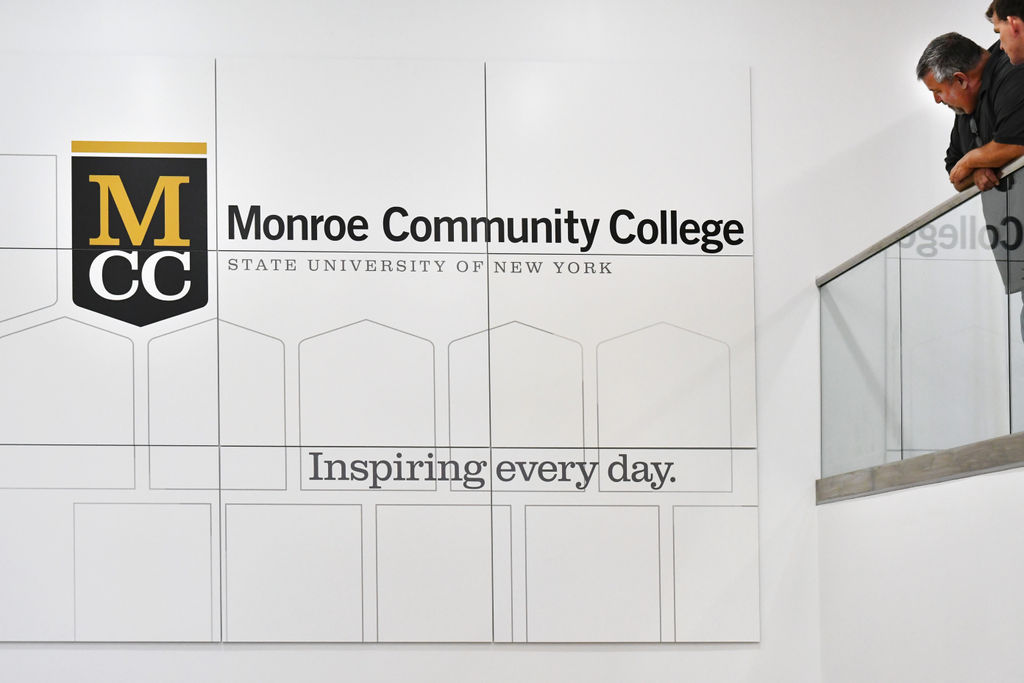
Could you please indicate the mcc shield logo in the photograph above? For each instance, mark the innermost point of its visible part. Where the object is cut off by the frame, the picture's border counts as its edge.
(139, 229)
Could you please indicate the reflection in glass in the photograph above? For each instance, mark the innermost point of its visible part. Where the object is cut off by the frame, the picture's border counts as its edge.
(860, 366)
(954, 329)
(923, 344)
(1014, 237)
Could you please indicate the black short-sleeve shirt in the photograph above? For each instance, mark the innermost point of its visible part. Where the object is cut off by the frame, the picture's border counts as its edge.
(998, 115)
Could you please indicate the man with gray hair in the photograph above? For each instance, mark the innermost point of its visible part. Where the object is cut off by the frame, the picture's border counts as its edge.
(987, 95)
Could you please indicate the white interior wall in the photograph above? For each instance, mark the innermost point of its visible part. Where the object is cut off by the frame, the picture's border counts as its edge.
(924, 584)
(846, 147)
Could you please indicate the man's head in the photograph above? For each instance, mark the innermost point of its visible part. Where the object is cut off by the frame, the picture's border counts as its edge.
(1008, 20)
(951, 68)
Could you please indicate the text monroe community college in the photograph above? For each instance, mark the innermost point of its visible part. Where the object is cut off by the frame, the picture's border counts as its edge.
(624, 227)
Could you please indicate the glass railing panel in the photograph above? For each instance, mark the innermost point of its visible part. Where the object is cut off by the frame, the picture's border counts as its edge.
(860, 373)
(1012, 236)
(922, 339)
(954, 328)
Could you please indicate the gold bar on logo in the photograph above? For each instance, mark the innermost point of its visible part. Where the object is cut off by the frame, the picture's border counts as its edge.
(118, 147)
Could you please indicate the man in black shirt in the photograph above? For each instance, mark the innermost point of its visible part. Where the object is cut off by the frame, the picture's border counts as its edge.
(1008, 20)
(987, 94)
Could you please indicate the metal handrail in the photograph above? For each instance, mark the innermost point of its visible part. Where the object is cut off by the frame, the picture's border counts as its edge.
(919, 222)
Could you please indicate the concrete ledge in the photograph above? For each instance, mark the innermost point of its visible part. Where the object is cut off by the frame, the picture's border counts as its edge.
(1001, 453)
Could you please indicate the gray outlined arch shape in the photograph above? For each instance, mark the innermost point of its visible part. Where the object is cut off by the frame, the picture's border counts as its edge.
(55, 248)
(218, 351)
(149, 377)
(597, 385)
(583, 407)
(368, 321)
(131, 397)
(284, 379)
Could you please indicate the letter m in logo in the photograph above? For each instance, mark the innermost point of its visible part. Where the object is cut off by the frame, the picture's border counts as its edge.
(112, 186)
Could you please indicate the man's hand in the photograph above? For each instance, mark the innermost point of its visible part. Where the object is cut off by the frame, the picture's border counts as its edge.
(960, 175)
(985, 178)
(991, 155)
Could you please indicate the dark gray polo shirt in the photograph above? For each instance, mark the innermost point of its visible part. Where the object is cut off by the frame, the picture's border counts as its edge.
(999, 114)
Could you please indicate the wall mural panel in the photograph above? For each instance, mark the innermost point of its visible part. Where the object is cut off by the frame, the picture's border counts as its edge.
(325, 351)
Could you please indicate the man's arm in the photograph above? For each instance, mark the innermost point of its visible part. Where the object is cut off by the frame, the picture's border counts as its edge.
(990, 155)
(1005, 97)
(984, 178)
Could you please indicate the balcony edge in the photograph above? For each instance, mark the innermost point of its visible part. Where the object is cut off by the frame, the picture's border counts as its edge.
(982, 457)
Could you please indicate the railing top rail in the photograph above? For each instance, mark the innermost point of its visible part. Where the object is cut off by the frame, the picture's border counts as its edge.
(919, 222)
